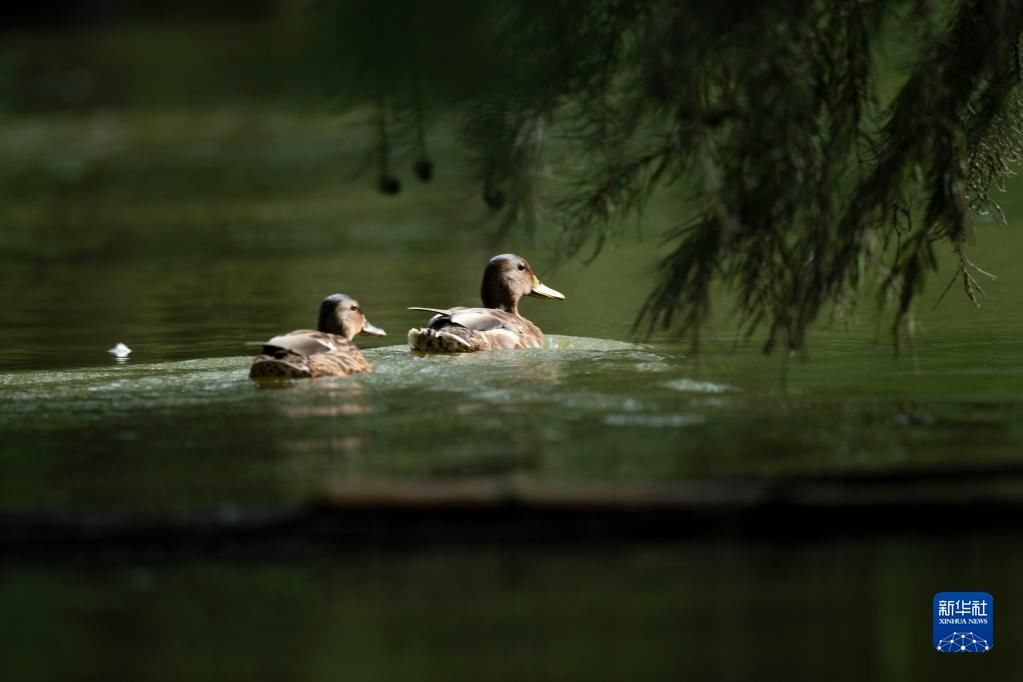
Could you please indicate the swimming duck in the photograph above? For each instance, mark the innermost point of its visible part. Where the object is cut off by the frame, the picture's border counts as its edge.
(498, 324)
(326, 351)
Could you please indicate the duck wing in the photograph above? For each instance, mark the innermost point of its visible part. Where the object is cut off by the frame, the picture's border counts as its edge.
(483, 319)
(303, 342)
(476, 319)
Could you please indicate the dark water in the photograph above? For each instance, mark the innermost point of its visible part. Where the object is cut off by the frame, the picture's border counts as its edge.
(186, 235)
(841, 610)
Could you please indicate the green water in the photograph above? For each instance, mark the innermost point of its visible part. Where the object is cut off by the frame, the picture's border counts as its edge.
(187, 279)
(187, 234)
(179, 425)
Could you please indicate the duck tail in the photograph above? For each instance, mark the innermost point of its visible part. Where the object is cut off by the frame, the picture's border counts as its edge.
(426, 340)
(268, 367)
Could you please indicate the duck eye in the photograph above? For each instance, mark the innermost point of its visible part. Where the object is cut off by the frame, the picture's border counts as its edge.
(522, 266)
(355, 307)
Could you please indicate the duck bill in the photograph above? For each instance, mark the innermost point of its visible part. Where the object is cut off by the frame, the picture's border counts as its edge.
(541, 290)
(372, 330)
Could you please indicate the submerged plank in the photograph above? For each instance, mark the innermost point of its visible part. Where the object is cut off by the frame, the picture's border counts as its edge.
(437, 513)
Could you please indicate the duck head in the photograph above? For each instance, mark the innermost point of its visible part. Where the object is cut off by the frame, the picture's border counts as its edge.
(342, 315)
(507, 278)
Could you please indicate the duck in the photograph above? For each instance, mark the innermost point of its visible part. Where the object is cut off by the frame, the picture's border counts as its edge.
(498, 324)
(326, 351)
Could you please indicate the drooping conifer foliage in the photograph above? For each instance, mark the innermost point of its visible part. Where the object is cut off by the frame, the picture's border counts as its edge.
(817, 149)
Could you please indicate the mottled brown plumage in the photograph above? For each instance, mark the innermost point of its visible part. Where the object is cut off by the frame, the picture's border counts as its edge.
(497, 325)
(325, 351)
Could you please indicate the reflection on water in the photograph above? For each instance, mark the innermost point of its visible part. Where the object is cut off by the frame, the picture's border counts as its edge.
(330, 397)
(690, 386)
(848, 610)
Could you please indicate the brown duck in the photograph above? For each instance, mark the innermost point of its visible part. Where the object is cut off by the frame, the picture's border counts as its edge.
(326, 351)
(498, 324)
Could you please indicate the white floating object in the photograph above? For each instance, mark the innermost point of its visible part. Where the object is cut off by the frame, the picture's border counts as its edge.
(120, 350)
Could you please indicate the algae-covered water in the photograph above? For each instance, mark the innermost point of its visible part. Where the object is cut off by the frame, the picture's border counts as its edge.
(178, 425)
